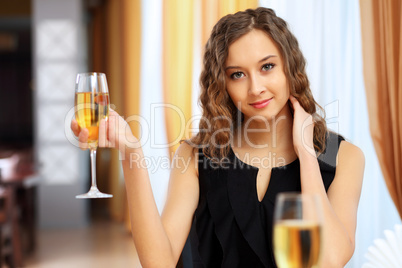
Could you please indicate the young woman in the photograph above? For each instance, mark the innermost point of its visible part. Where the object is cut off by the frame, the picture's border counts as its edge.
(260, 135)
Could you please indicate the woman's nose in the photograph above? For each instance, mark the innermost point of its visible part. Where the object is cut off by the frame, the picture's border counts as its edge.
(256, 86)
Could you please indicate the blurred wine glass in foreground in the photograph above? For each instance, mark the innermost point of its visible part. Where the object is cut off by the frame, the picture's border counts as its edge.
(91, 105)
(297, 230)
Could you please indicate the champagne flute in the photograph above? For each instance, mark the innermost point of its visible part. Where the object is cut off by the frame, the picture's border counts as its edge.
(91, 105)
(297, 230)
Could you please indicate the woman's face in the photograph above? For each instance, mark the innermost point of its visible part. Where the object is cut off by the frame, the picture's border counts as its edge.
(255, 78)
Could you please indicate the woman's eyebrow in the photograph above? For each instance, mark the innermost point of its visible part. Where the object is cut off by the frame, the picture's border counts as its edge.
(232, 67)
(267, 57)
(263, 59)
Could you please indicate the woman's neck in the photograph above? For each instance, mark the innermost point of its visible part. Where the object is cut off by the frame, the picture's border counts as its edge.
(275, 134)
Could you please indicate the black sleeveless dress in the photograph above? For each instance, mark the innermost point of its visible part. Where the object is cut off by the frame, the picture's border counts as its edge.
(231, 227)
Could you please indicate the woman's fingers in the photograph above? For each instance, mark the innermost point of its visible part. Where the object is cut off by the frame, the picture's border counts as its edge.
(107, 130)
(303, 128)
(83, 139)
(106, 135)
(103, 139)
(294, 101)
(82, 134)
(75, 127)
(112, 129)
(112, 112)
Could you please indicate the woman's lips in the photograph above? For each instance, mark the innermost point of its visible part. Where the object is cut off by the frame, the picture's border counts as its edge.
(261, 104)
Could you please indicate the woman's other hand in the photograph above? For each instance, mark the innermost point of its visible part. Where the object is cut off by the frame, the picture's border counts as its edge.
(303, 129)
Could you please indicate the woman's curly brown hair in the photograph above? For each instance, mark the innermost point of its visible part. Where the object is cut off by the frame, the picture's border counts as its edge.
(220, 115)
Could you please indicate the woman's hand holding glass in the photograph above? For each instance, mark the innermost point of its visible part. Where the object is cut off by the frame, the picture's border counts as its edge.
(95, 124)
(113, 133)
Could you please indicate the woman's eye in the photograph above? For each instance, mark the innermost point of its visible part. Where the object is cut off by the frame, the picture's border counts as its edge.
(268, 66)
(236, 75)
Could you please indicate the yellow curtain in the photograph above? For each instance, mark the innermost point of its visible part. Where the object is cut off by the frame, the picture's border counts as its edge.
(130, 11)
(177, 67)
(114, 76)
(382, 56)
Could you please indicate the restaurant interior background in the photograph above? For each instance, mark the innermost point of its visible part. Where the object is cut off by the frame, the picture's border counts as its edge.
(151, 52)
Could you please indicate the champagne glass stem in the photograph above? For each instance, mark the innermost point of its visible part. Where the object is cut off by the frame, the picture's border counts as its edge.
(93, 168)
(93, 191)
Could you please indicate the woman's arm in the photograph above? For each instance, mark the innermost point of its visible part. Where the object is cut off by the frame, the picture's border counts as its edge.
(341, 201)
(339, 204)
(158, 242)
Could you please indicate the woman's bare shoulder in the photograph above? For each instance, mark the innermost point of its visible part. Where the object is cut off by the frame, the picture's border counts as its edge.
(348, 152)
(350, 164)
(186, 156)
(186, 149)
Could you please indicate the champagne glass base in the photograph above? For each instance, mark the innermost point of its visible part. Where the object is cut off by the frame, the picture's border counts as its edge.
(93, 193)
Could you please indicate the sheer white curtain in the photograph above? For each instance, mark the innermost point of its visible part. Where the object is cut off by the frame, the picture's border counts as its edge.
(153, 129)
(329, 35)
(152, 117)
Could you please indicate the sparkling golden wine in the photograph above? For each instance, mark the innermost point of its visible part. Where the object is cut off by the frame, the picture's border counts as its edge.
(90, 108)
(296, 244)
